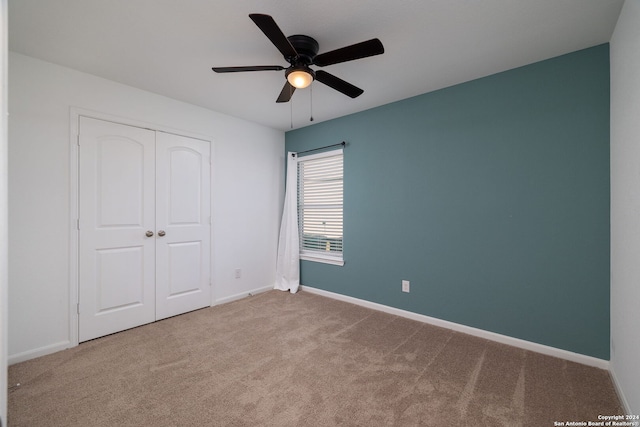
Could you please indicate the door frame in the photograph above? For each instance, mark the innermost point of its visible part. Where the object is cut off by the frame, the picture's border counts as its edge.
(74, 186)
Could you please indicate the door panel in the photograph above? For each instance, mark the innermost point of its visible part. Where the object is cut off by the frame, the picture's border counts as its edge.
(183, 213)
(185, 275)
(120, 181)
(185, 192)
(119, 278)
(117, 207)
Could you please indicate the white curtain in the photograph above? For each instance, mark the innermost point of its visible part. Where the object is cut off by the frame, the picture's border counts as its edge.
(288, 264)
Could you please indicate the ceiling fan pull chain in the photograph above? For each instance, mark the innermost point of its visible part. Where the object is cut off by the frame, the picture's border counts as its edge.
(291, 105)
(311, 102)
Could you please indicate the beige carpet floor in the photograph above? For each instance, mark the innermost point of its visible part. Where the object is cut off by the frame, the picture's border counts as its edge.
(278, 359)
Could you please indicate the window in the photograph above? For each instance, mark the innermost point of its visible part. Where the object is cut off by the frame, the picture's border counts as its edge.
(320, 184)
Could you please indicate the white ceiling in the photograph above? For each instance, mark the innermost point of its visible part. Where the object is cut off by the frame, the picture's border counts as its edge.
(169, 46)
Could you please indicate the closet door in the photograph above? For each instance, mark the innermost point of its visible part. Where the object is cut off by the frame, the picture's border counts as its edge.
(116, 227)
(144, 229)
(183, 224)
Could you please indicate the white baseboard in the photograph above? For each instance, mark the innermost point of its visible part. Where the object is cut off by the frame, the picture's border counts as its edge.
(42, 351)
(621, 396)
(503, 339)
(242, 295)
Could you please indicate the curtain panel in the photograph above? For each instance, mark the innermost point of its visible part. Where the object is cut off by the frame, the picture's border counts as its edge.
(288, 262)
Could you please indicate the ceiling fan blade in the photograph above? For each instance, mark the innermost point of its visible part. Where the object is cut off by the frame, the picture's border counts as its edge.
(338, 84)
(286, 93)
(349, 53)
(254, 68)
(273, 33)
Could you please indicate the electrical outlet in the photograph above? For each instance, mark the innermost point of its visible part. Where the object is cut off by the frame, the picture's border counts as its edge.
(405, 286)
(238, 273)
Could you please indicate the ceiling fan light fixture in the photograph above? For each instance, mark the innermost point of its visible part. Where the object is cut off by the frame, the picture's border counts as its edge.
(300, 77)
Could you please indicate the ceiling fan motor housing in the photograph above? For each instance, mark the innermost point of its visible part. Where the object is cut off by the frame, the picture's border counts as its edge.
(307, 48)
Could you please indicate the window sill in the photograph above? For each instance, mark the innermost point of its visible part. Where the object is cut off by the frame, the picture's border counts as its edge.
(323, 259)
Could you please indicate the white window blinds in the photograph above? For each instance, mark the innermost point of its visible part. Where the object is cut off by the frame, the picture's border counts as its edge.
(320, 187)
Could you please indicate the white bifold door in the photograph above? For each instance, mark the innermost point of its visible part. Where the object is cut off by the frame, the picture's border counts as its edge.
(144, 226)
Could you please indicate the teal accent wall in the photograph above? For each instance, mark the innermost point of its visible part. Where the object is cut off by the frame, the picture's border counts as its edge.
(491, 197)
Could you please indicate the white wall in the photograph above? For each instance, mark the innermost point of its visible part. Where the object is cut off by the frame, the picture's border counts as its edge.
(3, 212)
(248, 189)
(625, 204)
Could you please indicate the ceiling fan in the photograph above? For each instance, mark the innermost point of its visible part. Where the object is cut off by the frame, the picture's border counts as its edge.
(301, 52)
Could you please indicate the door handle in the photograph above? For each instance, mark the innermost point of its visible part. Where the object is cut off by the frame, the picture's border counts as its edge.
(161, 233)
(149, 233)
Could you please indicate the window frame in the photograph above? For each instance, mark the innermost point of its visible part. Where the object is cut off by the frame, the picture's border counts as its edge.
(336, 258)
